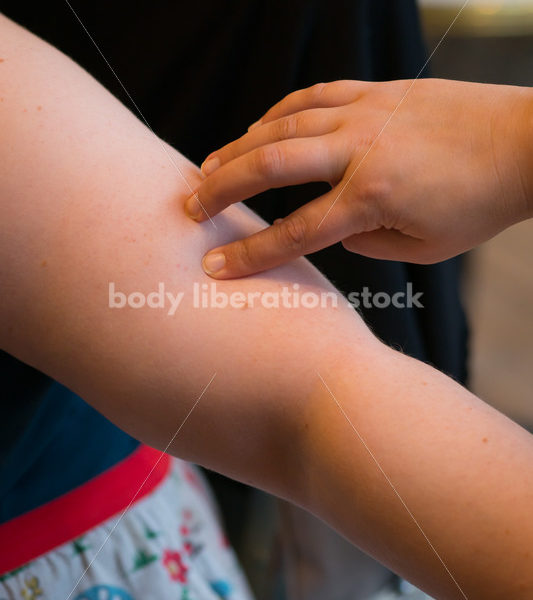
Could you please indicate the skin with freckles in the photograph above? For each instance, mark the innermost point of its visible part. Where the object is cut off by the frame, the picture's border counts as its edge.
(420, 171)
(304, 403)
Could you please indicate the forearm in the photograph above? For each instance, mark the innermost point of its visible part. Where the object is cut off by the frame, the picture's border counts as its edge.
(423, 448)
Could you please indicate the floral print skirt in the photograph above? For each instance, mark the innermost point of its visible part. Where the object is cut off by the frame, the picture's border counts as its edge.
(169, 545)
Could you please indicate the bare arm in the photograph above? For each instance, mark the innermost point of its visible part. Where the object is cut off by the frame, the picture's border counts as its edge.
(89, 197)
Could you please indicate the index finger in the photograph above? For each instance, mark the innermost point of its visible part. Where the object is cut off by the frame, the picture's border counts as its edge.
(320, 95)
(289, 162)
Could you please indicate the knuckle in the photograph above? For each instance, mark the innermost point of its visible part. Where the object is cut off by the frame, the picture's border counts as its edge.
(375, 192)
(243, 254)
(317, 91)
(268, 160)
(371, 205)
(288, 127)
(293, 233)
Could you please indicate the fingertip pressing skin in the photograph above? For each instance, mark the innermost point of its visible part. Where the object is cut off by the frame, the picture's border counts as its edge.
(285, 147)
(195, 210)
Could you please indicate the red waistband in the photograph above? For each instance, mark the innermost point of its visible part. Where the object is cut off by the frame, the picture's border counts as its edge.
(63, 519)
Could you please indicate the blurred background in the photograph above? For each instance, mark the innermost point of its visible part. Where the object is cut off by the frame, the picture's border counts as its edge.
(492, 42)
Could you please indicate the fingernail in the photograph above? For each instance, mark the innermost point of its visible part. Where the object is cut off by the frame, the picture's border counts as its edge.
(193, 208)
(212, 263)
(254, 125)
(210, 165)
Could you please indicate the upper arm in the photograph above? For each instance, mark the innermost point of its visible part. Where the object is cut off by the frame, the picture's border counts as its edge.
(90, 197)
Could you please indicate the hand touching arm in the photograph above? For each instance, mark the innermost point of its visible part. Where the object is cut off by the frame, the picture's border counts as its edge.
(89, 197)
(420, 171)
